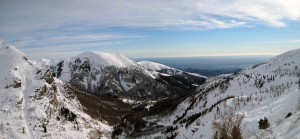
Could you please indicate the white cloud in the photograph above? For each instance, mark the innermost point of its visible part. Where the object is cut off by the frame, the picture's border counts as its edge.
(65, 25)
(66, 50)
(62, 38)
(57, 43)
(24, 16)
(284, 42)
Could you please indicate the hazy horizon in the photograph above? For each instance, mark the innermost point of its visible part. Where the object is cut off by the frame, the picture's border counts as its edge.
(209, 65)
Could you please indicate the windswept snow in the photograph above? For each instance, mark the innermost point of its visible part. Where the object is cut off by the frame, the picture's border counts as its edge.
(105, 59)
(153, 66)
(12, 61)
(163, 69)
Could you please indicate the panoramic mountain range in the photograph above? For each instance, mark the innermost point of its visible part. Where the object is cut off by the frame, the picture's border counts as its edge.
(107, 95)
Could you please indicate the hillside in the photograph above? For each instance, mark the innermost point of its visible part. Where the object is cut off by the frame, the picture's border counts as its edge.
(33, 104)
(268, 90)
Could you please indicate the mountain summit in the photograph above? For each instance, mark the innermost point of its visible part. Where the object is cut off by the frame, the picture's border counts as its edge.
(117, 75)
(103, 59)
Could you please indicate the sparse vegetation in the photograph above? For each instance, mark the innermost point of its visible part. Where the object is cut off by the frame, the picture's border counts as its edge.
(189, 120)
(236, 133)
(229, 126)
(263, 124)
(100, 106)
(288, 115)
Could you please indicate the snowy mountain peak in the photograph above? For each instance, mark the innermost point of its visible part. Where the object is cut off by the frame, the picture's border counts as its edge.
(114, 73)
(283, 62)
(105, 59)
(10, 58)
(8, 52)
(287, 56)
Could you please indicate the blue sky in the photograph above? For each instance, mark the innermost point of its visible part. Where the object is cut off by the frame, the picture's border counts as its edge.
(156, 28)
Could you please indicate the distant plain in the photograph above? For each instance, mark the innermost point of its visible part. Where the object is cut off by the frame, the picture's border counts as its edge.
(209, 66)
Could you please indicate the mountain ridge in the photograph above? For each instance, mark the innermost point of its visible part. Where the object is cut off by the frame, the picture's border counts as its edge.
(268, 90)
(39, 99)
(33, 104)
(117, 75)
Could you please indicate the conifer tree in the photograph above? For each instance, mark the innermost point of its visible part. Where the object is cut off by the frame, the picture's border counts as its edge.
(263, 123)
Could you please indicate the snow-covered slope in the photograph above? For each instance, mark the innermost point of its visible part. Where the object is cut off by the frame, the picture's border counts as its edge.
(163, 69)
(153, 66)
(33, 104)
(268, 90)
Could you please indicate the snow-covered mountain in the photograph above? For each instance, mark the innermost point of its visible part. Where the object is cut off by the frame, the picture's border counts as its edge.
(33, 104)
(117, 75)
(268, 90)
(68, 98)
(61, 99)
